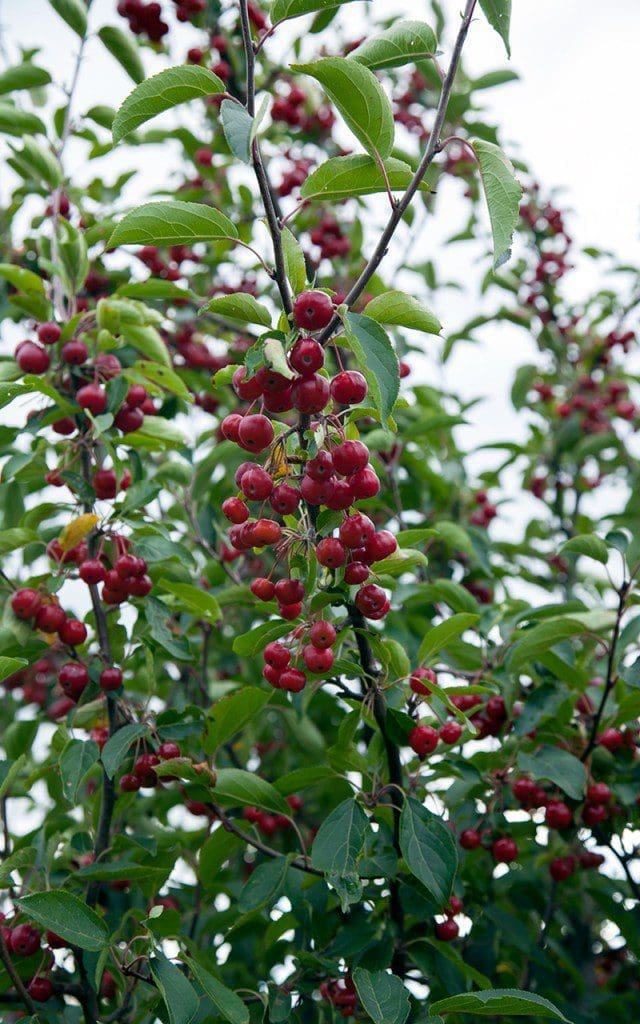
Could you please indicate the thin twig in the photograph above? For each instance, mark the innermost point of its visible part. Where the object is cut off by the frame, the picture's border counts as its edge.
(611, 677)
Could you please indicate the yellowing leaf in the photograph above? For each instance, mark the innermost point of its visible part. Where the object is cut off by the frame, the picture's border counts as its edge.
(77, 530)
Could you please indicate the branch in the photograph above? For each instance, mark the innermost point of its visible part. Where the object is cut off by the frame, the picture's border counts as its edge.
(25, 998)
(611, 674)
(432, 149)
(257, 844)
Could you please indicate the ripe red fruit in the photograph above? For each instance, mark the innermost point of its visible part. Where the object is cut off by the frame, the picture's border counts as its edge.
(322, 634)
(495, 709)
(289, 591)
(256, 484)
(292, 680)
(108, 365)
(450, 732)
(74, 352)
(235, 510)
(140, 586)
(455, 906)
(356, 573)
(470, 839)
(263, 589)
(447, 930)
(54, 940)
(524, 790)
(370, 600)
(24, 940)
(247, 390)
(73, 632)
(558, 815)
(364, 483)
(73, 678)
(318, 660)
(349, 457)
(321, 467)
(105, 484)
(416, 680)
(423, 739)
(111, 678)
(168, 750)
(203, 156)
(598, 793)
(276, 655)
(143, 767)
(278, 401)
(92, 397)
(306, 356)
(265, 531)
(136, 395)
(611, 739)
(382, 545)
(64, 426)
(312, 310)
(349, 387)
(26, 603)
(50, 618)
(504, 850)
(31, 358)
(285, 499)
(561, 868)
(593, 814)
(49, 333)
(310, 394)
(128, 419)
(40, 989)
(272, 675)
(230, 426)
(356, 530)
(255, 433)
(271, 381)
(290, 611)
(331, 552)
(316, 492)
(130, 783)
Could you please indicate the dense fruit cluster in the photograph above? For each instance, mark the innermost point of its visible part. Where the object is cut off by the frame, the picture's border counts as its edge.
(144, 18)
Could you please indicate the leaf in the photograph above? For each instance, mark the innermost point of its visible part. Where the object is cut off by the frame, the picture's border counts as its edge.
(231, 713)
(77, 757)
(360, 99)
(342, 177)
(226, 1002)
(157, 615)
(256, 639)
(39, 162)
(239, 306)
(502, 193)
(283, 9)
(77, 530)
(440, 636)
(429, 849)
(376, 358)
(402, 310)
(117, 747)
(340, 839)
(173, 223)
(68, 916)
(235, 786)
(19, 122)
(161, 92)
(218, 848)
(195, 599)
(294, 262)
(559, 767)
(264, 886)
(541, 638)
(74, 13)
(405, 42)
(148, 342)
(508, 1002)
(22, 279)
(156, 433)
(10, 665)
(237, 125)
(498, 14)
(120, 46)
(382, 995)
(179, 995)
(23, 76)
(589, 545)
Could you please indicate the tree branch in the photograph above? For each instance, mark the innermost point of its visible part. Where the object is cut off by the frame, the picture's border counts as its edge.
(25, 998)
(611, 674)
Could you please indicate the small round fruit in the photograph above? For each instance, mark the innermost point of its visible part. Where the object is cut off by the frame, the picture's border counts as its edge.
(447, 930)
(92, 397)
(331, 553)
(306, 356)
(364, 483)
(276, 655)
(322, 634)
(356, 530)
(246, 390)
(356, 573)
(24, 940)
(263, 589)
(40, 989)
(235, 510)
(289, 591)
(421, 678)
(130, 783)
(350, 457)
(31, 358)
(292, 680)
(558, 815)
(105, 484)
(110, 678)
(75, 352)
(168, 750)
(128, 419)
(50, 618)
(423, 739)
(310, 394)
(470, 839)
(49, 333)
(73, 632)
(312, 310)
(256, 484)
(450, 732)
(318, 660)
(26, 603)
(505, 850)
(349, 387)
(255, 433)
(73, 679)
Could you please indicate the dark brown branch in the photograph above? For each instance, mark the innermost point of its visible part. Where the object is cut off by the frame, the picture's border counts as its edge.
(257, 844)
(611, 677)
(25, 998)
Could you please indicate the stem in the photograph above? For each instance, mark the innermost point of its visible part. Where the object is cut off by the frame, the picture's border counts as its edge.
(611, 675)
(13, 974)
(257, 844)
(432, 149)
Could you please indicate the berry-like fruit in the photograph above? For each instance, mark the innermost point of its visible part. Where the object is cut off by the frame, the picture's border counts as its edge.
(470, 839)
(312, 311)
(74, 352)
(26, 603)
(276, 655)
(505, 850)
(289, 591)
(31, 358)
(310, 394)
(73, 632)
(450, 732)
(306, 356)
(420, 679)
(92, 397)
(235, 510)
(331, 553)
(349, 387)
(423, 739)
(292, 680)
(255, 432)
(356, 530)
(111, 678)
(263, 589)
(24, 940)
(49, 333)
(318, 660)
(356, 573)
(73, 679)
(447, 930)
(40, 989)
(256, 484)
(322, 634)
(168, 750)
(50, 618)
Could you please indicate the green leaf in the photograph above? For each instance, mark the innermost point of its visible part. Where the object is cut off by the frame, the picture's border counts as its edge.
(440, 636)
(120, 46)
(231, 713)
(77, 757)
(283, 9)
(239, 306)
(383, 996)
(264, 886)
(159, 374)
(22, 279)
(19, 122)
(194, 599)
(179, 995)
(39, 162)
(340, 839)
(10, 665)
(235, 786)
(68, 916)
(359, 97)
(402, 310)
(559, 767)
(256, 639)
(227, 1003)
(509, 1002)
(588, 544)
(161, 92)
(157, 615)
(174, 223)
(156, 433)
(23, 76)
(429, 849)
(541, 638)
(405, 42)
(218, 848)
(74, 13)
(376, 359)
(147, 341)
(342, 177)
(502, 193)
(237, 125)
(498, 14)
(294, 262)
(117, 747)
